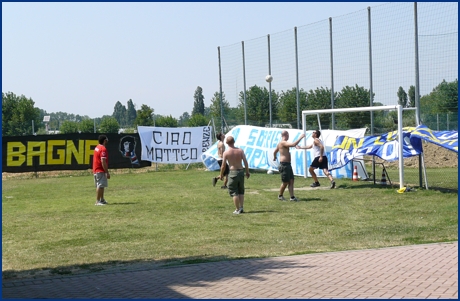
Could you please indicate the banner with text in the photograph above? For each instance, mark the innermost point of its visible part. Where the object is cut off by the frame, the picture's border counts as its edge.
(446, 139)
(259, 143)
(174, 145)
(68, 152)
(386, 146)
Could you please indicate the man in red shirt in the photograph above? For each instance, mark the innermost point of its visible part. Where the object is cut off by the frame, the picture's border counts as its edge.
(101, 169)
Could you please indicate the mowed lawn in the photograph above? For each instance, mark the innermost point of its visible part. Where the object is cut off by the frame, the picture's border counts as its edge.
(176, 217)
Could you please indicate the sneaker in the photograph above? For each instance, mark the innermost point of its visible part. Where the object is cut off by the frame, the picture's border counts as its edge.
(281, 198)
(99, 203)
(237, 211)
(315, 184)
(214, 181)
(332, 184)
(223, 187)
(241, 210)
(294, 199)
(104, 202)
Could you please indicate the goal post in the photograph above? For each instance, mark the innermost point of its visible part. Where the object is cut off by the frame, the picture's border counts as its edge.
(400, 138)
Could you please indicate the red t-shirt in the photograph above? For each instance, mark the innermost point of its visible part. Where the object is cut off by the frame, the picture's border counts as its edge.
(100, 152)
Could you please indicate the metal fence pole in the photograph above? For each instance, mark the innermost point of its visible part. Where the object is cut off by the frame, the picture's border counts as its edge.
(244, 85)
(332, 73)
(269, 83)
(417, 90)
(297, 78)
(220, 87)
(371, 92)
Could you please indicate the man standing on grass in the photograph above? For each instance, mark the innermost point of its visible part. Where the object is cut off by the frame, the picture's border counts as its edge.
(235, 156)
(320, 160)
(285, 168)
(220, 153)
(101, 169)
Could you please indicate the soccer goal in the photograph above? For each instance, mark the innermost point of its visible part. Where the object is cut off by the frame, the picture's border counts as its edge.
(397, 108)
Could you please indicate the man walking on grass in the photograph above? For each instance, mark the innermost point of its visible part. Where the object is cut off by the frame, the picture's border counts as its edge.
(101, 169)
(220, 153)
(235, 157)
(285, 168)
(320, 160)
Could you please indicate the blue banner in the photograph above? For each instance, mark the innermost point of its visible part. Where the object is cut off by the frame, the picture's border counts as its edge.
(386, 146)
(259, 143)
(446, 139)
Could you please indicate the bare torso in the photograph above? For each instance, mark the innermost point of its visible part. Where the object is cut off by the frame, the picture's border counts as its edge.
(220, 149)
(283, 148)
(235, 157)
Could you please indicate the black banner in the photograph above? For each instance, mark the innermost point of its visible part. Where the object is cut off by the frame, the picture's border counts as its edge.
(68, 152)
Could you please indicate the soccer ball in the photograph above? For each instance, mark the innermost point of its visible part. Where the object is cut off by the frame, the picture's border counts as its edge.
(270, 172)
(269, 78)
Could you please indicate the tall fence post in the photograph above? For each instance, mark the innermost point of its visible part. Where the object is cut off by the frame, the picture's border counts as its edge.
(371, 92)
(220, 87)
(269, 83)
(332, 73)
(297, 78)
(417, 89)
(244, 85)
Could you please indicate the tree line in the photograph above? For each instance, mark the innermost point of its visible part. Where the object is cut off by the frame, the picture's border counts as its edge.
(19, 114)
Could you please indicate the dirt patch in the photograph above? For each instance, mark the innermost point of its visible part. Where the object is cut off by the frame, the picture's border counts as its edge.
(434, 156)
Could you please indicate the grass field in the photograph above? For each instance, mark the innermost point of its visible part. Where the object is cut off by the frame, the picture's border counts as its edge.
(175, 216)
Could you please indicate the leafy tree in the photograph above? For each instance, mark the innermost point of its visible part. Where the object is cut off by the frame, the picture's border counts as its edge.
(198, 105)
(166, 121)
(131, 113)
(215, 110)
(402, 97)
(198, 120)
(144, 116)
(18, 112)
(353, 97)
(446, 95)
(69, 127)
(287, 106)
(443, 99)
(86, 126)
(120, 113)
(319, 99)
(411, 94)
(183, 119)
(258, 105)
(109, 125)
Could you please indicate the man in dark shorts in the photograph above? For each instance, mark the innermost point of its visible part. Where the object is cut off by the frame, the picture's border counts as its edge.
(285, 168)
(235, 157)
(220, 152)
(320, 160)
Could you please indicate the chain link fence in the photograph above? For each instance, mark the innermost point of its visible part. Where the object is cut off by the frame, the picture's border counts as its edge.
(377, 50)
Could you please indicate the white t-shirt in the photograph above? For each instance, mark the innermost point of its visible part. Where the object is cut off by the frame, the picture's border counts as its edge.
(317, 149)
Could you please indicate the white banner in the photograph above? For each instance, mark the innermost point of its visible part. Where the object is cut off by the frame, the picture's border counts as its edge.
(174, 145)
(259, 143)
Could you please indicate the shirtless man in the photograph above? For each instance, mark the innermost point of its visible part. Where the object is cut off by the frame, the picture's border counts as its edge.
(235, 156)
(220, 153)
(285, 168)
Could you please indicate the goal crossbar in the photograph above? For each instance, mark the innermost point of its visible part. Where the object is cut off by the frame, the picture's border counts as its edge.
(400, 138)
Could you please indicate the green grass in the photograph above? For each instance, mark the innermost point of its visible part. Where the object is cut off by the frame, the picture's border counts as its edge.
(176, 216)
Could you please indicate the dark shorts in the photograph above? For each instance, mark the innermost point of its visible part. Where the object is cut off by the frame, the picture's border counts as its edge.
(317, 164)
(286, 172)
(236, 182)
(227, 169)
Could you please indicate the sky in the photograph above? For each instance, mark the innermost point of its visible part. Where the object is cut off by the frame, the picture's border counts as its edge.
(81, 58)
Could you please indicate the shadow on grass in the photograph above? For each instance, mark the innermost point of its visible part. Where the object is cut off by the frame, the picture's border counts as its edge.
(158, 279)
(366, 185)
